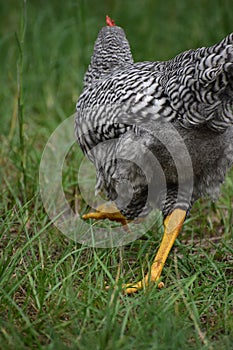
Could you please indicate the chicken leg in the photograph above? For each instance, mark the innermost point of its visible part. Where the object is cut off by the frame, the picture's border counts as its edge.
(107, 211)
(172, 226)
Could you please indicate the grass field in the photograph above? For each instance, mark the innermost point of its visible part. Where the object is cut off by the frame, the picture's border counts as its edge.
(52, 292)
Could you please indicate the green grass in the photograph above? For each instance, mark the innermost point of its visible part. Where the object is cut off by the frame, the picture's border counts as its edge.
(52, 292)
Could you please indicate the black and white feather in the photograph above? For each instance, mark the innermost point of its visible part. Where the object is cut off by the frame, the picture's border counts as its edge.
(129, 112)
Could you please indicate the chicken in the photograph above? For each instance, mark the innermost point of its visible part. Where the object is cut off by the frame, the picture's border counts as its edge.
(160, 134)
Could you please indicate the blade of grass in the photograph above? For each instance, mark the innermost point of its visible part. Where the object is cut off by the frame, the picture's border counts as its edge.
(20, 98)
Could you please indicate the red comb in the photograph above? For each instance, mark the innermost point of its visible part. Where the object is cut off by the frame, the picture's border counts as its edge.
(110, 22)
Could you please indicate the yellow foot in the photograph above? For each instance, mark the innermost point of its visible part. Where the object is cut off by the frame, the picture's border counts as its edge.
(172, 227)
(130, 288)
(107, 211)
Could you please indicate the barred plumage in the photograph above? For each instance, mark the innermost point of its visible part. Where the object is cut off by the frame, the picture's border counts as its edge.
(160, 134)
(193, 92)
